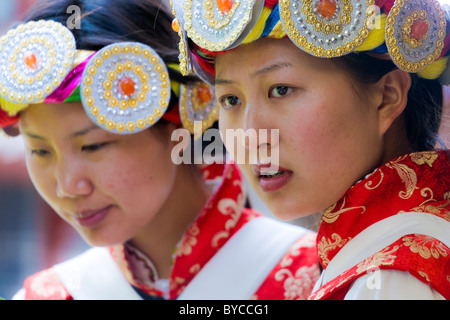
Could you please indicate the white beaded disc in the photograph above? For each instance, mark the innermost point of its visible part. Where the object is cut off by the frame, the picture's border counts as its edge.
(125, 88)
(325, 33)
(215, 30)
(35, 57)
(408, 53)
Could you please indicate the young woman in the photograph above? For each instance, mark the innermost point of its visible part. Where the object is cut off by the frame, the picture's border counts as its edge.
(355, 90)
(97, 106)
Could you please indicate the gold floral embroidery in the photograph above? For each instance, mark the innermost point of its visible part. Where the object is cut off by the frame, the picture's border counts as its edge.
(300, 284)
(317, 295)
(326, 245)
(232, 208)
(430, 207)
(426, 246)
(424, 157)
(437, 210)
(424, 275)
(408, 177)
(307, 241)
(177, 282)
(195, 268)
(331, 216)
(189, 241)
(384, 257)
(369, 184)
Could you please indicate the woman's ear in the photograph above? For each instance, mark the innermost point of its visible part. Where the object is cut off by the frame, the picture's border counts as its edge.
(395, 86)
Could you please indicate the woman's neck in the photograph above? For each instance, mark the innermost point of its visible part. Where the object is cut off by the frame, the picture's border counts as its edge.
(395, 142)
(160, 237)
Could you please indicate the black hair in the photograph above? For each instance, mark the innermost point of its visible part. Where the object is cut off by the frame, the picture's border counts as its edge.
(104, 22)
(423, 112)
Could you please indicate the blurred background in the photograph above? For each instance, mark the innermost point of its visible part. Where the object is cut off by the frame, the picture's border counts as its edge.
(32, 236)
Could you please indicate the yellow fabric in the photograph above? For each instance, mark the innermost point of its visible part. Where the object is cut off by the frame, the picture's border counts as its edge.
(434, 70)
(277, 31)
(175, 86)
(10, 107)
(80, 56)
(376, 36)
(259, 27)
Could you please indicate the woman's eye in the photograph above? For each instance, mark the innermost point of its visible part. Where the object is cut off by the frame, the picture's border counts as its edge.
(279, 91)
(229, 101)
(39, 152)
(93, 147)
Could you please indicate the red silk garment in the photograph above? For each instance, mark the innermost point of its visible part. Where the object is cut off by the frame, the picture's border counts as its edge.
(222, 216)
(418, 182)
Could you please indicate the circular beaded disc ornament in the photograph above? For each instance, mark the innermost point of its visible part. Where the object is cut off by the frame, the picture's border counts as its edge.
(220, 24)
(125, 87)
(327, 28)
(36, 57)
(415, 33)
(198, 104)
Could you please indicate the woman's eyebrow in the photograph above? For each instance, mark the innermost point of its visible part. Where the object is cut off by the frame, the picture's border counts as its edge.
(219, 82)
(262, 71)
(75, 134)
(271, 68)
(84, 131)
(35, 136)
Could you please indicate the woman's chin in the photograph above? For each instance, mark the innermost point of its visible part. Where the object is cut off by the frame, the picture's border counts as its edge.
(100, 241)
(285, 214)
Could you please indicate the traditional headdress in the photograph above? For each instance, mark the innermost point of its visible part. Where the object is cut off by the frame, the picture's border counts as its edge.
(124, 87)
(412, 33)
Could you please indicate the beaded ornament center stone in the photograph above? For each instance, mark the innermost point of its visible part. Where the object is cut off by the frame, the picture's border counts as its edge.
(30, 60)
(326, 8)
(225, 5)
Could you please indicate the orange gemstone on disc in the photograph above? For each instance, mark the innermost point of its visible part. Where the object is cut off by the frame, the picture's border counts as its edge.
(418, 29)
(326, 8)
(224, 5)
(30, 60)
(127, 86)
(203, 94)
(175, 25)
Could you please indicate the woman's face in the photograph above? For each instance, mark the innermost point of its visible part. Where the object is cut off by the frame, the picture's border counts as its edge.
(329, 136)
(107, 186)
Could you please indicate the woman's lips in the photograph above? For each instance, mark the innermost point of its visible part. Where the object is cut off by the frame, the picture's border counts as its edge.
(270, 181)
(91, 218)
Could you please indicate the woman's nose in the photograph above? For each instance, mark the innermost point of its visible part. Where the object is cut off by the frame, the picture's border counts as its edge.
(72, 181)
(251, 140)
(256, 125)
